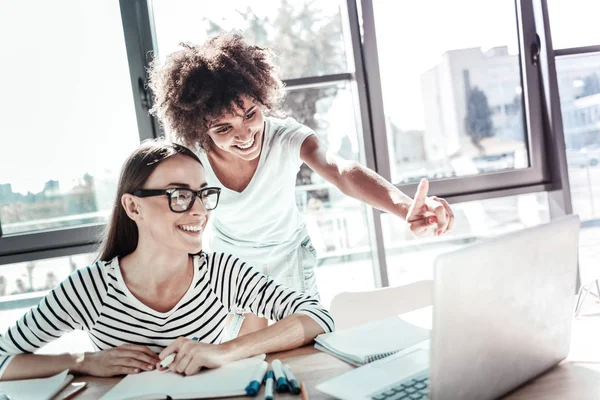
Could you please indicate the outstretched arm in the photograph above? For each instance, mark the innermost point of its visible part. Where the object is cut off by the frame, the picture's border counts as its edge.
(291, 332)
(360, 182)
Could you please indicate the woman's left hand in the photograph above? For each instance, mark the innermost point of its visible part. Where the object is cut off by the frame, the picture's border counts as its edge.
(192, 356)
(426, 212)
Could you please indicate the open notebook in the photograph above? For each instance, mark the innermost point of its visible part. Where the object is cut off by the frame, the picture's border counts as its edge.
(369, 342)
(229, 380)
(36, 389)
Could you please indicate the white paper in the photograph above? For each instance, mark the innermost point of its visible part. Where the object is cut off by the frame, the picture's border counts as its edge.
(229, 380)
(36, 389)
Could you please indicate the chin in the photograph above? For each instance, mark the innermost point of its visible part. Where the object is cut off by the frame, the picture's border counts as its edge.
(252, 156)
(195, 249)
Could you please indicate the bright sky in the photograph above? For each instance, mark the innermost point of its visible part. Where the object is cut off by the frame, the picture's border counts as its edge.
(67, 105)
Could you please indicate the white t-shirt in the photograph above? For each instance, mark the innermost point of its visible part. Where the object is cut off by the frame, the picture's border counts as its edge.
(262, 223)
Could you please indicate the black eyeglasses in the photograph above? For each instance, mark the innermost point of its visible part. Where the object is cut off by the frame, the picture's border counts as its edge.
(181, 200)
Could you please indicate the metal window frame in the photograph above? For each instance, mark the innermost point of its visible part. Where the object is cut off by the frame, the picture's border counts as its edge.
(543, 122)
(536, 177)
(576, 51)
(140, 43)
(560, 201)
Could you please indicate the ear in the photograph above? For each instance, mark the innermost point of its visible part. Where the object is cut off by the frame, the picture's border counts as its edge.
(131, 205)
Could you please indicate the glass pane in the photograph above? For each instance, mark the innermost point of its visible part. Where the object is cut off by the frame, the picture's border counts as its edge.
(574, 23)
(410, 259)
(23, 285)
(307, 36)
(453, 100)
(67, 113)
(332, 218)
(579, 88)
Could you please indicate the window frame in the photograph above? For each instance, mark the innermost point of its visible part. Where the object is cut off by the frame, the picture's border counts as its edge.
(535, 178)
(28, 246)
(548, 171)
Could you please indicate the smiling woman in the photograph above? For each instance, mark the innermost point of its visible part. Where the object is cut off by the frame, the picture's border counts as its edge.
(214, 96)
(238, 136)
(153, 288)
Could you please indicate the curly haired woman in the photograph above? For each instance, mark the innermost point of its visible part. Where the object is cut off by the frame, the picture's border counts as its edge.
(216, 97)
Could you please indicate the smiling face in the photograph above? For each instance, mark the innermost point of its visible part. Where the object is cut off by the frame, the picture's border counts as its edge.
(239, 134)
(179, 232)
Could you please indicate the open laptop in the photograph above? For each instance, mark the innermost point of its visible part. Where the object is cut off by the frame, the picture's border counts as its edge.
(502, 315)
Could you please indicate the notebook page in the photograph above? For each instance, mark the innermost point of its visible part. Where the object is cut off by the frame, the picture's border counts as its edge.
(229, 380)
(36, 389)
(388, 335)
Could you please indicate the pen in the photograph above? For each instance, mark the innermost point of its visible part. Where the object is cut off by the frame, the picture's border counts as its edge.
(254, 385)
(171, 357)
(269, 385)
(294, 386)
(281, 383)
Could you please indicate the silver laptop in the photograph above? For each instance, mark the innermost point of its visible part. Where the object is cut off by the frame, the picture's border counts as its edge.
(502, 315)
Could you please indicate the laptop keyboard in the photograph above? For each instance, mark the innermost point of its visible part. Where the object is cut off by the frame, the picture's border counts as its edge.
(413, 388)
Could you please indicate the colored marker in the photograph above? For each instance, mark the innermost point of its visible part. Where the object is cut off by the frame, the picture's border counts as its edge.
(281, 383)
(254, 385)
(294, 385)
(269, 385)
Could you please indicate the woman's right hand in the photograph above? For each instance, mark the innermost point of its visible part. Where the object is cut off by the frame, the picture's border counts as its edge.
(123, 360)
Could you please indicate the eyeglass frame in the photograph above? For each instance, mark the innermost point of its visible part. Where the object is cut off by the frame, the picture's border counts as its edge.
(169, 192)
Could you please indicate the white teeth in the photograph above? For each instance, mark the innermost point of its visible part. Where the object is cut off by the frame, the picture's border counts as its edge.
(191, 228)
(246, 145)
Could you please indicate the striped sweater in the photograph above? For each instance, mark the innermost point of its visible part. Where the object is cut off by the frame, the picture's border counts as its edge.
(96, 299)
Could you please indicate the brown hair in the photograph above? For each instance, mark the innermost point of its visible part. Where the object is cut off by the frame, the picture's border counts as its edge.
(198, 84)
(121, 235)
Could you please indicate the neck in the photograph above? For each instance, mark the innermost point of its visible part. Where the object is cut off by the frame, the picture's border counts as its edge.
(154, 267)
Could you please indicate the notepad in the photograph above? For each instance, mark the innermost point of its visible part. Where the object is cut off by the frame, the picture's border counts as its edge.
(229, 380)
(369, 342)
(36, 389)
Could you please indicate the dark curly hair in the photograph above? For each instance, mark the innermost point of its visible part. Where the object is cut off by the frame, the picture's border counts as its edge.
(199, 83)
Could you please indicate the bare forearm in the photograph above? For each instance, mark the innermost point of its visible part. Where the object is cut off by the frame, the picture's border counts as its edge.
(367, 186)
(289, 333)
(28, 366)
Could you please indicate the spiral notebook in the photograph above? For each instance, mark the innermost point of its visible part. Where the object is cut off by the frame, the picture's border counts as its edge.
(369, 342)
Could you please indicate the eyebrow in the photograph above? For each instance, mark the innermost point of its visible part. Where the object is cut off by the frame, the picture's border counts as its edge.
(227, 123)
(185, 185)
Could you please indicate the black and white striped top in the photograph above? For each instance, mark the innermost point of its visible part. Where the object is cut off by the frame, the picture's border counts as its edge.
(96, 299)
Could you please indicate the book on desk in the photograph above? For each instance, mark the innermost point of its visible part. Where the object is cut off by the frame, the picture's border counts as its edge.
(228, 380)
(36, 389)
(372, 341)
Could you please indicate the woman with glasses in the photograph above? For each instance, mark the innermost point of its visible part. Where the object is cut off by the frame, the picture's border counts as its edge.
(153, 289)
(213, 97)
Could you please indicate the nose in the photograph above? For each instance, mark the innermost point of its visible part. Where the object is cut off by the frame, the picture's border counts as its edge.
(198, 207)
(244, 134)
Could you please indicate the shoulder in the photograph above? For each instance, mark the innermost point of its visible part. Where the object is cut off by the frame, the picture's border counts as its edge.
(92, 276)
(96, 270)
(217, 262)
(215, 258)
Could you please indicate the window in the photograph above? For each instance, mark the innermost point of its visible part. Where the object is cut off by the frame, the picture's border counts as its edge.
(310, 41)
(23, 285)
(579, 87)
(574, 23)
(453, 100)
(410, 259)
(67, 111)
(307, 36)
(453, 97)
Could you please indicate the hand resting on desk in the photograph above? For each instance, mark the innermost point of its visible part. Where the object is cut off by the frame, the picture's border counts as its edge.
(122, 360)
